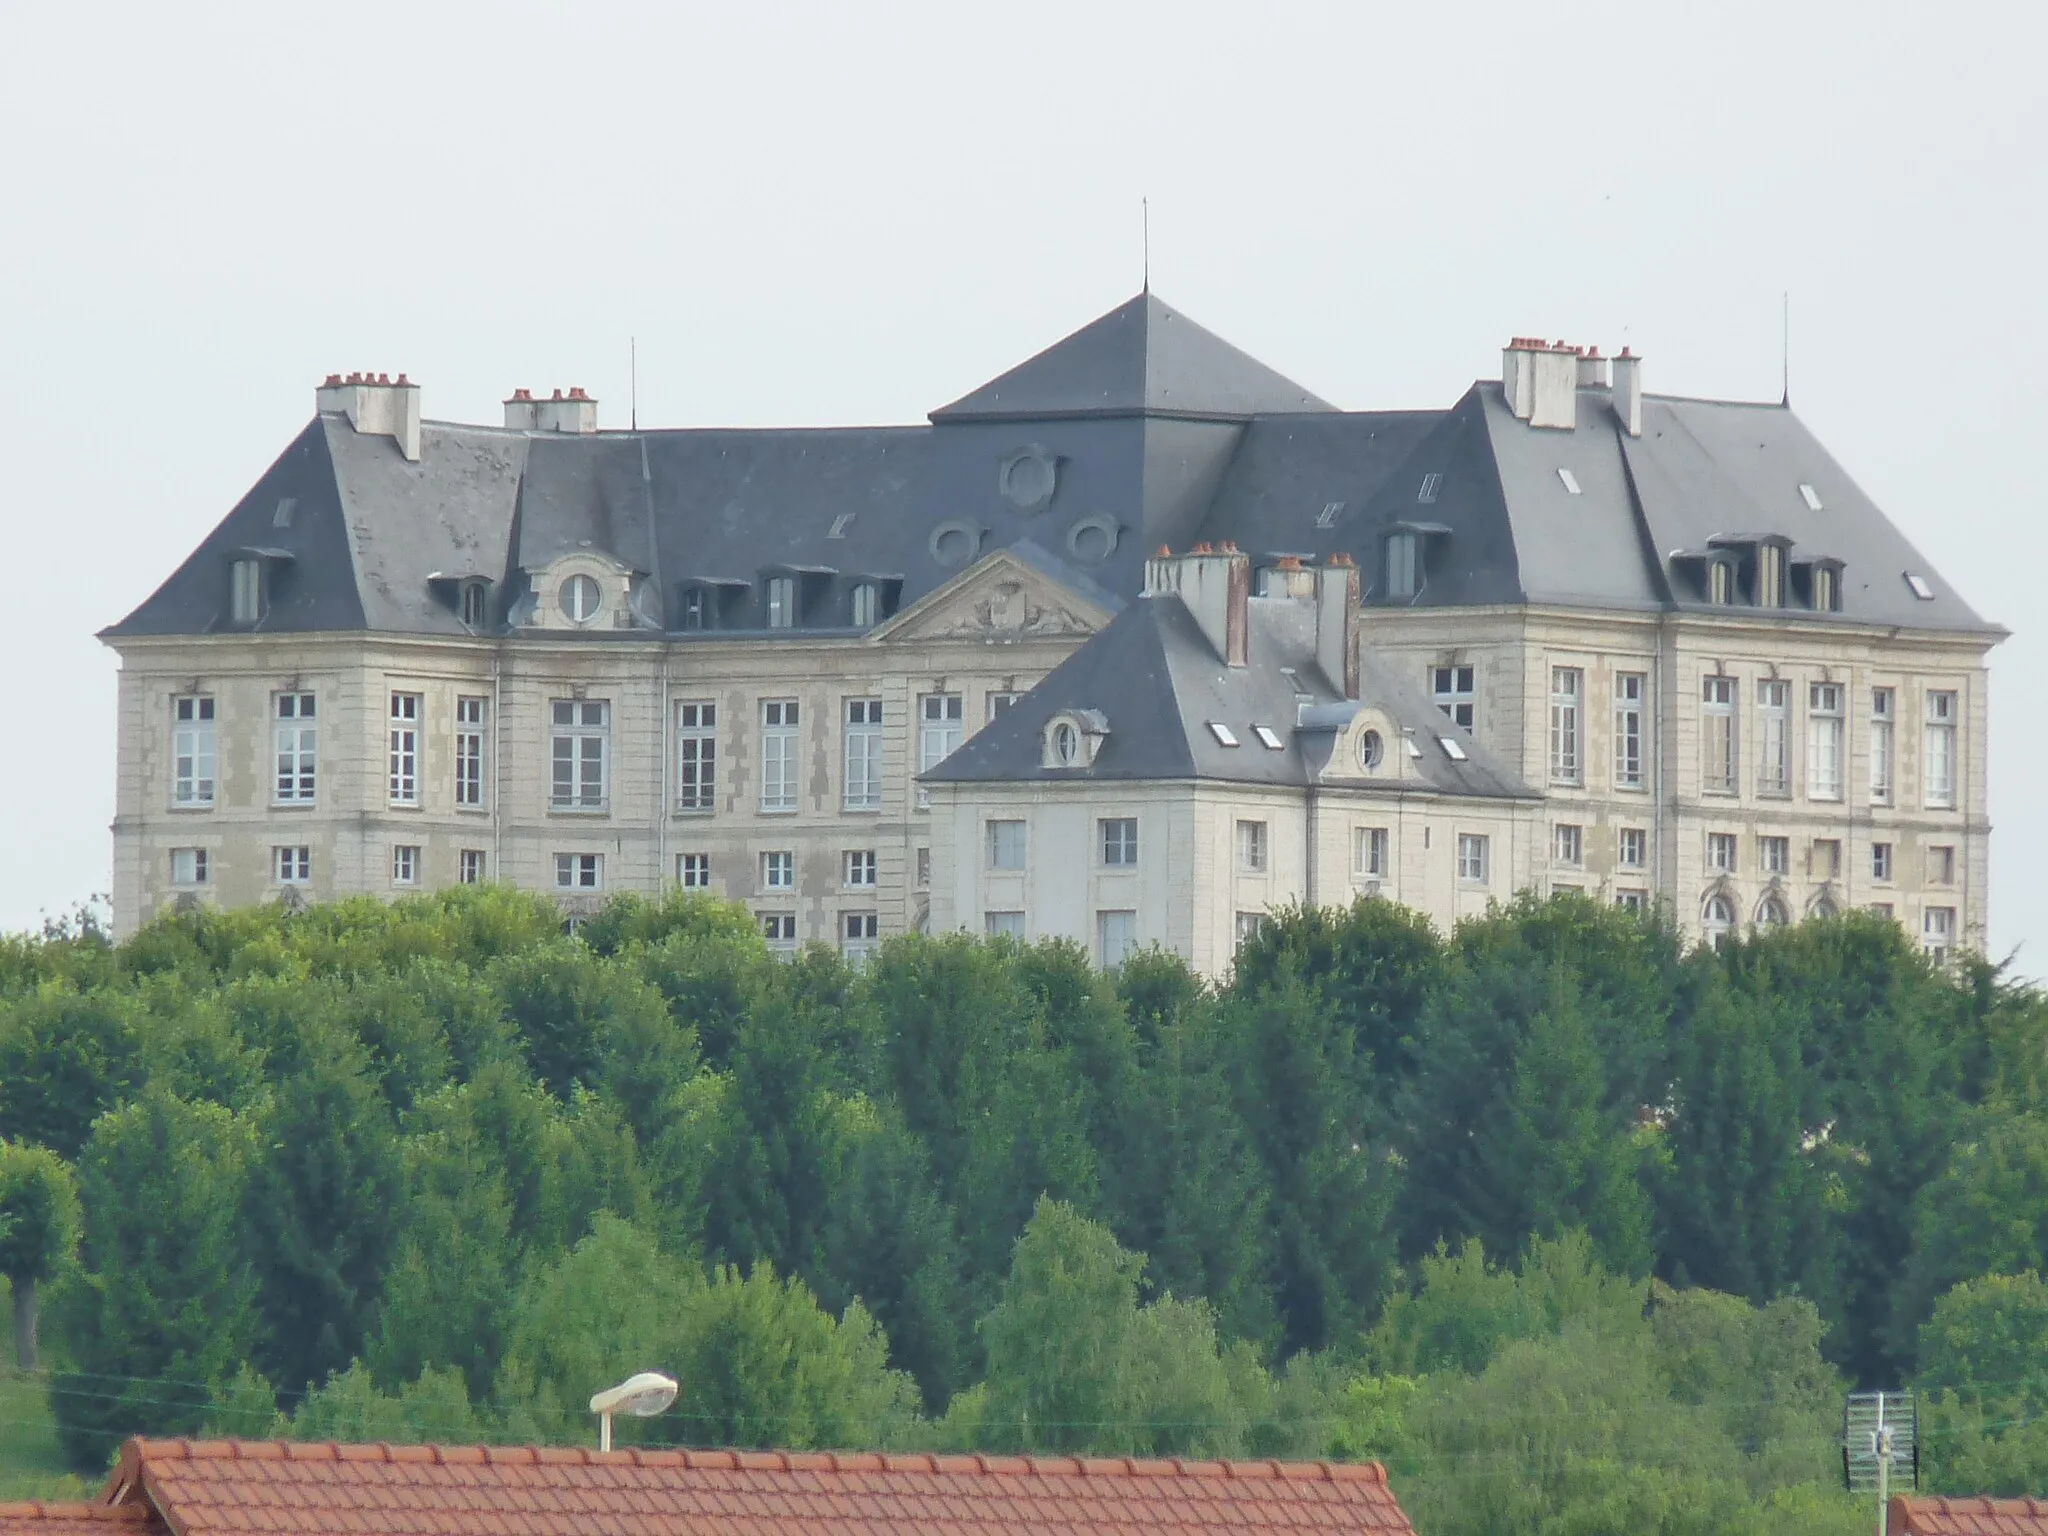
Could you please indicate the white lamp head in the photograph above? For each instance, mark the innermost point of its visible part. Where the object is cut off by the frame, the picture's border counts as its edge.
(643, 1396)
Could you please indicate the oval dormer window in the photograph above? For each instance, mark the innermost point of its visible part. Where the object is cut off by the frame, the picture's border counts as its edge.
(1372, 751)
(581, 599)
(1066, 744)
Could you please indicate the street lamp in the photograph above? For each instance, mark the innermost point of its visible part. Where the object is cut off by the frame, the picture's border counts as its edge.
(643, 1396)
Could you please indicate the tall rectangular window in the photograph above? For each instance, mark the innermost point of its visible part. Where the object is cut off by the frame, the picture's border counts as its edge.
(1881, 861)
(1718, 738)
(1369, 852)
(469, 752)
(1568, 845)
(582, 733)
(938, 734)
(696, 757)
(779, 929)
(1629, 691)
(1634, 850)
(1567, 687)
(1251, 847)
(1938, 933)
(1938, 788)
(859, 871)
(470, 866)
(1882, 715)
(1401, 573)
(297, 748)
(1826, 862)
(1119, 841)
(1824, 727)
(291, 866)
(1116, 936)
(779, 751)
(860, 935)
(693, 871)
(245, 593)
(1453, 689)
(781, 602)
(863, 755)
(192, 750)
(1006, 845)
(1774, 738)
(405, 864)
(189, 866)
(778, 871)
(405, 749)
(1721, 848)
(1941, 864)
(579, 871)
(1776, 854)
(1473, 858)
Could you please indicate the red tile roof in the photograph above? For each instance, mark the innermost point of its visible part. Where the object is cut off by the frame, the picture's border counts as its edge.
(276, 1488)
(1967, 1517)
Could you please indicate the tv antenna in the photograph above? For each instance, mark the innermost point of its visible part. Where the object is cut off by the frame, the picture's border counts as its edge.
(1880, 1442)
(633, 376)
(1785, 349)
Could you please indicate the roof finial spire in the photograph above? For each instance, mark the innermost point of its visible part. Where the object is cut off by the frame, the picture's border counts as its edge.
(1145, 220)
(1785, 350)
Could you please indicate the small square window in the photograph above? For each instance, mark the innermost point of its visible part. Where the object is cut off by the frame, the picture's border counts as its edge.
(291, 866)
(1006, 925)
(471, 866)
(1635, 848)
(859, 934)
(1776, 853)
(1249, 925)
(579, 871)
(1120, 841)
(189, 866)
(778, 871)
(693, 871)
(860, 868)
(1721, 852)
(779, 929)
(1632, 900)
(1006, 845)
(405, 864)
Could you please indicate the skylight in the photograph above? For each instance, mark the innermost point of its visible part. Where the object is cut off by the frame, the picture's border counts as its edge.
(1452, 750)
(1224, 735)
(1430, 482)
(282, 517)
(1919, 586)
(1810, 496)
(840, 524)
(1409, 742)
(1571, 481)
(1267, 738)
(1330, 513)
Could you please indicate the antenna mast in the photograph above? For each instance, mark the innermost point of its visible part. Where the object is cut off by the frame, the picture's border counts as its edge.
(1145, 218)
(1785, 349)
(633, 374)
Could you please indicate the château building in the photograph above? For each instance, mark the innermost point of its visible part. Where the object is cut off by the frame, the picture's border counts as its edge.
(1131, 644)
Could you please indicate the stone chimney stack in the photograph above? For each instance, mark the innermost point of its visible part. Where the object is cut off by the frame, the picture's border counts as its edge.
(571, 412)
(1592, 369)
(1337, 593)
(1290, 578)
(1628, 392)
(1541, 381)
(1216, 585)
(519, 411)
(376, 406)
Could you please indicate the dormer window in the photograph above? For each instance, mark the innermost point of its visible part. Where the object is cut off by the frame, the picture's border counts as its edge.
(581, 599)
(1721, 583)
(782, 602)
(1072, 738)
(1770, 575)
(866, 605)
(473, 604)
(696, 612)
(245, 591)
(1827, 588)
(1401, 565)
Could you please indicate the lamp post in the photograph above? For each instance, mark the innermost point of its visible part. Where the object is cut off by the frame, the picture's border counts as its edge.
(643, 1396)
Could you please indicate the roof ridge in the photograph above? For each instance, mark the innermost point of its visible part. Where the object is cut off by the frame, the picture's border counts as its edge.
(185, 1449)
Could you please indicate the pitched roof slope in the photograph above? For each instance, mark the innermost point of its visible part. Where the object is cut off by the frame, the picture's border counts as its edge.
(1966, 1517)
(1158, 682)
(274, 1488)
(1142, 358)
(40, 1519)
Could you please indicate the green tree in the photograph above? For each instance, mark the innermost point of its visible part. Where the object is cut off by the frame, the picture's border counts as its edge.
(160, 1313)
(65, 1056)
(1983, 1380)
(38, 1230)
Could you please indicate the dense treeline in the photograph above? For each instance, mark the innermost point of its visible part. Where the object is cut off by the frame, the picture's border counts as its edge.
(1567, 1224)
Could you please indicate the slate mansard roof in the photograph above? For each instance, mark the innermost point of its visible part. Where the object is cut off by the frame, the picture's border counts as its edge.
(1143, 428)
(1156, 680)
(274, 1488)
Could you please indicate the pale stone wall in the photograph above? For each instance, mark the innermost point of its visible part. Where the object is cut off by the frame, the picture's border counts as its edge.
(1514, 649)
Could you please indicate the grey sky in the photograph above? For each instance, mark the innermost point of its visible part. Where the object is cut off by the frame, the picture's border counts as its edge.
(853, 213)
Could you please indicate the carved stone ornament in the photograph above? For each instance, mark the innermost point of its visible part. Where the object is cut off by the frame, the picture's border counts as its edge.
(1006, 613)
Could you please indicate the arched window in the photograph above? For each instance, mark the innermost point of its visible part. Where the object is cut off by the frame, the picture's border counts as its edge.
(1823, 909)
(581, 599)
(1771, 913)
(1717, 920)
